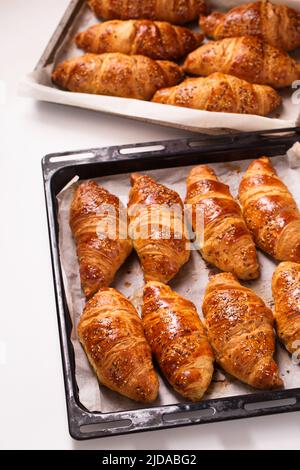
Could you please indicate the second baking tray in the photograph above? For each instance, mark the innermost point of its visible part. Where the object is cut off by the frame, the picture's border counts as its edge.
(58, 170)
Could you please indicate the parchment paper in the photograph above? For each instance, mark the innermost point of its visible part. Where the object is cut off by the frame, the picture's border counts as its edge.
(38, 85)
(190, 282)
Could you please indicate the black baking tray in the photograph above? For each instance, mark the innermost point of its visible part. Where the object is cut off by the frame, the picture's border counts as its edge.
(58, 170)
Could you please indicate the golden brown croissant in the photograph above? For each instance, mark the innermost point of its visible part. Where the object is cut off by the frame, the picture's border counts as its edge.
(286, 293)
(178, 340)
(240, 331)
(112, 335)
(174, 11)
(116, 74)
(155, 39)
(270, 211)
(157, 228)
(221, 93)
(99, 225)
(276, 24)
(248, 58)
(217, 221)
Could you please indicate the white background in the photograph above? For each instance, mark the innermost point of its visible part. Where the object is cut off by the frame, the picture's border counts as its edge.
(32, 411)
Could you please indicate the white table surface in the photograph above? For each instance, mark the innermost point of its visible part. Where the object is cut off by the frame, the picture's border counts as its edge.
(33, 411)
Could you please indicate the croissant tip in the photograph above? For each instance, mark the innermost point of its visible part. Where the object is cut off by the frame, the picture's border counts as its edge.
(54, 76)
(267, 376)
(209, 22)
(264, 157)
(279, 383)
(153, 289)
(262, 161)
(150, 392)
(251, 276)
(153, 282)
(203, 170)
(223, 275)
(78, 38)
(134, 178)
(88, 293)
(59, 75)
(276, 382)
(265, 160)
(199, 39)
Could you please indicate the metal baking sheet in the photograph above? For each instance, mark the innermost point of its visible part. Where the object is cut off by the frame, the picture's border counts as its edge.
(226, 399)
(78, 16)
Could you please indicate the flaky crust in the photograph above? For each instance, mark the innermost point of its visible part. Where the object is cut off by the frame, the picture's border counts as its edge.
(248, 57)
(278, 25)
(154, 39)
(116, 74)
(174, 11)
(240, 331)
(112, 335)
(221, 93)
(178, 340)
(217, 221)
(270, 211)
(286, 293)
(100, 254)
(157, 228)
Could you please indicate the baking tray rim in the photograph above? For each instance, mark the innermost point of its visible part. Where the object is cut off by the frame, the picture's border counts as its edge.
(221, 409)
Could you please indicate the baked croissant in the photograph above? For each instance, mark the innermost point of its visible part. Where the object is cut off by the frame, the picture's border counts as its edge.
(278, 25)
(99, 224)
(248, 58)
(221, 93)
(155, 39)
(178, 340)
(157, 228)
(116, 74)
(286, 293)
(174, 11)
(217, 220)
(240, 331)
(270, 211)
(112, 335)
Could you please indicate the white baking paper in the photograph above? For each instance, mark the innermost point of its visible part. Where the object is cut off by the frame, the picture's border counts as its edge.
(38, 85)
(190, 282)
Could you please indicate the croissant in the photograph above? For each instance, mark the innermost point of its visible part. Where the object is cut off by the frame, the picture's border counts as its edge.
(157, 228)
(221, 93)
(174, 11)
(158, 40)
(276, 24)
(240, 331)
(286, 293)
(99, 225)
(270, 211)
(248, 58)
(178, 340)
(218, 221)
(116, 75)
(112, 335)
